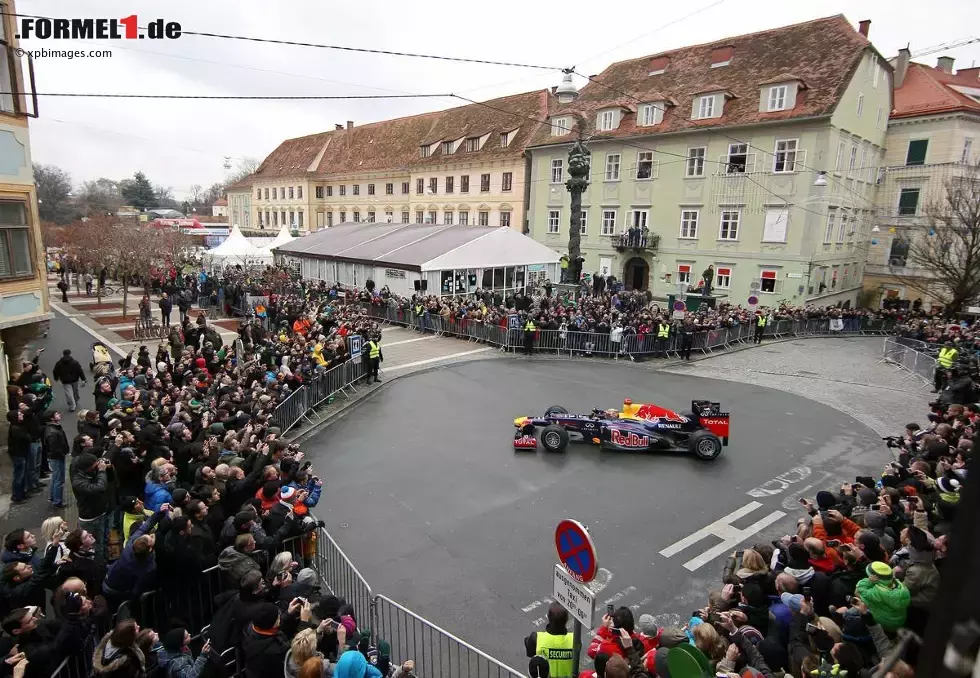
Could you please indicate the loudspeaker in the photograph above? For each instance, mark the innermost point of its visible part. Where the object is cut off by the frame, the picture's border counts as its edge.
(418, 285)
(425, 285)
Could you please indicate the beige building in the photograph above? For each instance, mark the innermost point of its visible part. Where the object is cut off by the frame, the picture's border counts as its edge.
(463, 165)
(933, 138)
(23, 285)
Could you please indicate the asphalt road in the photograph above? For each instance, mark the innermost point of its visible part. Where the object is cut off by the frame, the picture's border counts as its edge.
(427, 496)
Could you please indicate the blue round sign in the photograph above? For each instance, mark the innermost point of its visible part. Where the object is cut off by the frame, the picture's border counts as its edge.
(753, 300)
(576, 550)
(680, 305)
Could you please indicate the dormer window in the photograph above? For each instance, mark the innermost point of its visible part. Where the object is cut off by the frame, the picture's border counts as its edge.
(473, 144)
(426, 150)
(447, 148)
(777, 98)
(658, 65)
(780, 93)
(507, 137)
(607, 120)
(721, 56)
(705, 107)
(560, 126)
(651, 114)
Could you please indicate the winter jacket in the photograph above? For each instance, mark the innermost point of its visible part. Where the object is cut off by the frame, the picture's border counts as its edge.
(264, 653)
(313, 491)
(605, 642)
(84, 566)
(887, 601)
(30, 591)
(352, 664)
(129, 575)
(156, 495)
(112, 662)
(89, 488)
(181, 664)
(235, 564)
(55, 441)
(921, 579)
(18, 440)
(68, 370)
(848, 529)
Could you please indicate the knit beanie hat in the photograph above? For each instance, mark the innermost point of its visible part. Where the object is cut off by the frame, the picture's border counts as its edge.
(879, 569)
(86, 461)
(173, 639)
(265, 616)
(826, 500)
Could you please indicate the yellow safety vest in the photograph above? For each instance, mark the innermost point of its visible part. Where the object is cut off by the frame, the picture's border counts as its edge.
(558, 651)
(529, 326)
(762, 321)
(947, 356)
(373, 350)
(663, 331)
(418, 309)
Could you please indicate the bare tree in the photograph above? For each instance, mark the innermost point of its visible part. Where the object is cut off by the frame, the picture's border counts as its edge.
(946, 246)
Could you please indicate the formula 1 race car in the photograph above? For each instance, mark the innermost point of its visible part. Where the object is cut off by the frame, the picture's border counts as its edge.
(644, 428)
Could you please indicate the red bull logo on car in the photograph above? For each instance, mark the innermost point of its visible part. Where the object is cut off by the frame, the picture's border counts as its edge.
(628, 439)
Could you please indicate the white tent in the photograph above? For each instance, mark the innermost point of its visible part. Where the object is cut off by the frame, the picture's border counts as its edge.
(238, 250)
(281, 238)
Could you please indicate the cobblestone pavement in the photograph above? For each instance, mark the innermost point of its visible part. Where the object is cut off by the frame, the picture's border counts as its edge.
(841, 373)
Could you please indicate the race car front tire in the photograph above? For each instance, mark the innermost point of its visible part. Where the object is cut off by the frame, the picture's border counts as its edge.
(705, 445)
(555, 409)
(554, 438)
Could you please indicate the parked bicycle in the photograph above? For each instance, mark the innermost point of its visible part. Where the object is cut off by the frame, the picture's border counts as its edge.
(150, 329)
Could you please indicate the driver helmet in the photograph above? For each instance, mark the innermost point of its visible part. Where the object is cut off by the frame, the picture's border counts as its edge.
(627, 402)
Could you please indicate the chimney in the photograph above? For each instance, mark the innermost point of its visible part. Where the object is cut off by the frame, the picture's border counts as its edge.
(945, 64)
(350, 124)
(864, 27)
(338, 127)
(902, 66)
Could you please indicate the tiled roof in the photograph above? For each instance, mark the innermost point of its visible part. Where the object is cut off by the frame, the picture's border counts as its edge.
(824, 53)
(396, 144)
(241, 185)
(220, 202)
(926, 90)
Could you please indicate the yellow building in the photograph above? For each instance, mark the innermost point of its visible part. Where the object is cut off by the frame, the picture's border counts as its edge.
(23, 285)
(464, 165)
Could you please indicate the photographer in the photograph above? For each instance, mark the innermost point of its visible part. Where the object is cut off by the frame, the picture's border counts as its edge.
(89, 483)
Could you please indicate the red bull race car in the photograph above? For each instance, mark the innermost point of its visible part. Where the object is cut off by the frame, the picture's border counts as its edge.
(637, 427)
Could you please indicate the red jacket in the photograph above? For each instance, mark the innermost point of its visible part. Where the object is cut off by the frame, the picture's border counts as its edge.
(828, 563)
(604, 641)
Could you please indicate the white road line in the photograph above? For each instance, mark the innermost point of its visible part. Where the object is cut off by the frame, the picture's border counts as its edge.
(429, 361)
(112, 347)
(723, 529)
(405, 341)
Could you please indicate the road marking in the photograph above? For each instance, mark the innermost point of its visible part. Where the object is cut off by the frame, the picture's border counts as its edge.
(111, 346)
(429, 361)
(722, 529)
(780, 483)
(406, 341)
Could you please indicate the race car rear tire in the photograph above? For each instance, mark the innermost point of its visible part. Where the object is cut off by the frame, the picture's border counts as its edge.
(555, 409)
(553, 438)
(705, 445)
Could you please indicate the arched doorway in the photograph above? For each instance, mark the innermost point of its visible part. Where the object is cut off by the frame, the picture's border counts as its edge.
(636, 274)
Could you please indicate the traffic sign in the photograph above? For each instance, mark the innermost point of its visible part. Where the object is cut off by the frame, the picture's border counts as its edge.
(753, 300)
(355, 345)
(574, 597)
(680, 305)
(755, 286)
(576, 550)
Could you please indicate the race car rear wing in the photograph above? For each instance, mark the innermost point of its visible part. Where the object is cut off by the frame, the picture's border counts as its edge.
(711, 417)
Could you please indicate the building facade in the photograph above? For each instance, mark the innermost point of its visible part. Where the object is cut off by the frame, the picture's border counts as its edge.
(933, 140)
(751, 155)
(24, 308)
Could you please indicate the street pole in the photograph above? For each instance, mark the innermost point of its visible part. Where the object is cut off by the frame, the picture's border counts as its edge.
(576, 647)
(578, 171)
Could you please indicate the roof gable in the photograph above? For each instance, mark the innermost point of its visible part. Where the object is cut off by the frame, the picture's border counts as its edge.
(927, 90)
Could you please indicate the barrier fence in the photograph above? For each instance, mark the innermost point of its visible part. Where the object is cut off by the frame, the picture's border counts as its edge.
(916, 363)
(301, 403)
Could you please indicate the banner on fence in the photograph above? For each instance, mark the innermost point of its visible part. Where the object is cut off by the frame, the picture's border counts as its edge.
(355, 345)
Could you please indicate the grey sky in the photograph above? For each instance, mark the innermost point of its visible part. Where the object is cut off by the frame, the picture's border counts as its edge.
(180, 143)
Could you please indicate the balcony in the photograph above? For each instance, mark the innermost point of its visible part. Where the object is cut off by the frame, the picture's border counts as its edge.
(637, 239)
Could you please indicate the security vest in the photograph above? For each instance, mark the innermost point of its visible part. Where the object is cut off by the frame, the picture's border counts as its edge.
(762, 321)
(663, 331)
(947, 356)
(418, 309)
(529, 326)
(558, 651)
(373, 349)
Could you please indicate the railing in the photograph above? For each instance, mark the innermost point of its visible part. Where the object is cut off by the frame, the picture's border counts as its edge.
(897, 352)
(301, 403)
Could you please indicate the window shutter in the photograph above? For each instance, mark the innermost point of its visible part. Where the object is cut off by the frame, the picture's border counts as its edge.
(684, 268)
(724, 271)
(775, 228)
(768, 275)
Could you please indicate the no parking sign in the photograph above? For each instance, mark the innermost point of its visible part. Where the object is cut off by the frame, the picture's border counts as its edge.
(576, 551)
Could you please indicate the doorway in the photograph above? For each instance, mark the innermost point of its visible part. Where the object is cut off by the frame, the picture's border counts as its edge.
(636, 274)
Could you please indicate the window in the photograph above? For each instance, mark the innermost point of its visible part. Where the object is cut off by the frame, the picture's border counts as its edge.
(612, 167)
(370, 189)
(583, 222)
(483, 219)
(729, 225)
(357, 216)
(776, 222)
(557, 171)
(917, 152)
(419, 186)
(768, 281)
(484, 183)
(318, 192)
(723, 278)
(908, 202)
(464, 218)
(695, 162)
(447, 218)
(372, 217)
(608, 222)
(299, 223)
(15, 242)
(329, 191)
(706, 107)
(432, 217)
(404, 188)
(507, 181)
(875, 72)
(258, 193)
(639, 219)
(434, 185)
(554, 219)
(389, 216)
(560, 127)
(267, 194)
(785, 156)
(828, 236)
(357, 189)
(275, 218)
(777, 98)
(343, 217)
(841, 149)
(505, 138)
(292, 218)
(842, 226)
(329, 219)
(644, 164)
(833, 279)
(267, 219)
(283, 214)
(290, 192)
(738, 157)
(606, 121)
(860, 108)
(343, 190)
(684, 273)
(651, 114)
(406, 217)
(505, 219)
(967, 155)
(449, 184)
(419, 217)
(464, 183)
(879, 117)
(473, 144)
(689, 223)
(447, 148)
(389, 189)
(852, 162)
(426, 151)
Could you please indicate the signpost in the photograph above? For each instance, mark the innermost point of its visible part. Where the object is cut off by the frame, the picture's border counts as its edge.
(579, 565)
(355, 345)
(679, 310)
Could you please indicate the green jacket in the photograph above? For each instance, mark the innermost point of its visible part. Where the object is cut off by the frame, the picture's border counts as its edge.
(887, 601)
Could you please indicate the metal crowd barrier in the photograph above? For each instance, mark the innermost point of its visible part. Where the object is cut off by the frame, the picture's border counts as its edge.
(339, 379)
(290, 411)
(915, 363)
(338, 573)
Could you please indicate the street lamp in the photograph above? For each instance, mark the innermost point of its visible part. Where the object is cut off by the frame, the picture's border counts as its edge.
(821, 180)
